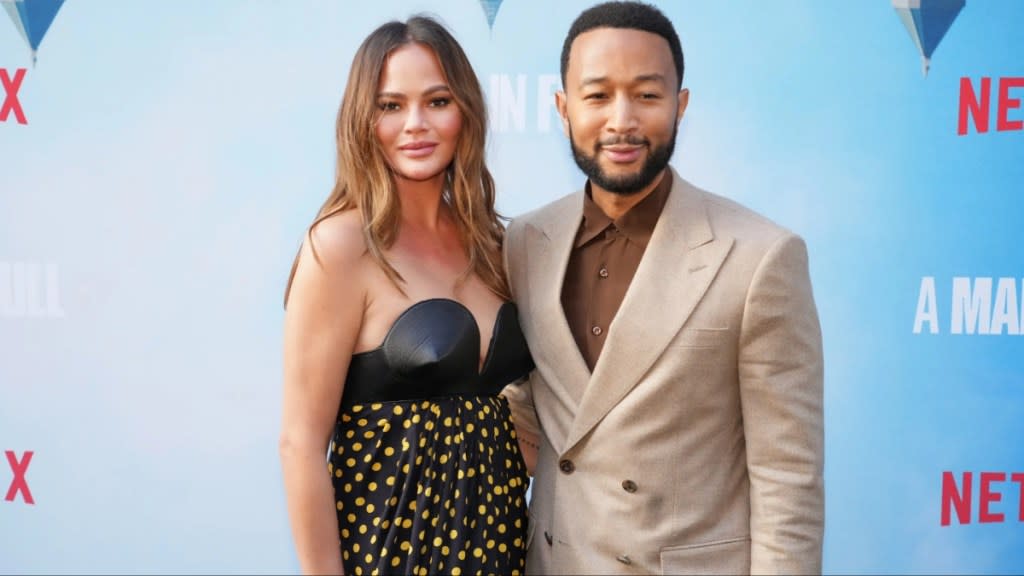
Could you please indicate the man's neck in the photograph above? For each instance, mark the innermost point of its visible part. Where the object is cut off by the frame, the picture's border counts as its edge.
(615, 205)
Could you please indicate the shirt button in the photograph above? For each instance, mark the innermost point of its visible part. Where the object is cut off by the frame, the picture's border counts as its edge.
(566, 466)
(548, 538)
(596, 330)
(603, 273)
(624, 559)
(629, 486)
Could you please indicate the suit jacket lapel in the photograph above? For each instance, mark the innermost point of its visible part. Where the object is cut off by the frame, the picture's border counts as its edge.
(681, 259)
(553, 347)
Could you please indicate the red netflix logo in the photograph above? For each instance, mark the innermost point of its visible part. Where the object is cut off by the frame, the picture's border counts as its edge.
(959, 498)
(11, 103)
(19, 485)
(978, 106)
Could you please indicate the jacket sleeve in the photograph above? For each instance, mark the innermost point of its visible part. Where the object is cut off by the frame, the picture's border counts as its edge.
(781, 390)
(519, 394)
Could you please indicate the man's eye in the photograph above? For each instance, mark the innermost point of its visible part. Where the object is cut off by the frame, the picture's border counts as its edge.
(595, 96)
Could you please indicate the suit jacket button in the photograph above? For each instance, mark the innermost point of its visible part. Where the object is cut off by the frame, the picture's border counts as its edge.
(548, 537)
(566, 466)
(624, 559)
(629, 486)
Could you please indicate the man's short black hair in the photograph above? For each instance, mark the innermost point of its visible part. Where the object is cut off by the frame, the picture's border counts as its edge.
(628, 15)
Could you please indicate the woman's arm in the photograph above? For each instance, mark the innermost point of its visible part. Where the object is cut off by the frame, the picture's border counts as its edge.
(322, 321)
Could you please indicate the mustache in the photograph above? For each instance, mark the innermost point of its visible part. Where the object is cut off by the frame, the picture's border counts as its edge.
(629, 140)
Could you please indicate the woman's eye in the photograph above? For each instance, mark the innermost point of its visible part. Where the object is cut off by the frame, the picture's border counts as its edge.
(440, 102)
(388, 106)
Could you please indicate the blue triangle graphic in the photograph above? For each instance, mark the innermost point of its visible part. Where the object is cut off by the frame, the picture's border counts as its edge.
(36, 17)
(927, 21)
(490, 10)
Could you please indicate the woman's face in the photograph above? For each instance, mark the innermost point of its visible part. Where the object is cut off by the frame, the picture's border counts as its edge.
(418, 121)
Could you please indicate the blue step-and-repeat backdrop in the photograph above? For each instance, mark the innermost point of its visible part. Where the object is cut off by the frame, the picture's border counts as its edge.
(159, 162)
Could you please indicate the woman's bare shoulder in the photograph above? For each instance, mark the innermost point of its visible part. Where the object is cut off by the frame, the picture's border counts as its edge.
(337, 240)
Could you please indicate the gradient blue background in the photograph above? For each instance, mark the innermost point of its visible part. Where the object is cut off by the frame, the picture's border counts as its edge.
(176, 151)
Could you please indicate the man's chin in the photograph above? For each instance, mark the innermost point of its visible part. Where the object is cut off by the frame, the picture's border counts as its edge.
(622, 169)
(623, 186)
(620, 178)
(621, 182)
(622, 172)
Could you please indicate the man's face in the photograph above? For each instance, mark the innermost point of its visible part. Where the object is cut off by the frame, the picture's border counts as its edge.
(620, 108)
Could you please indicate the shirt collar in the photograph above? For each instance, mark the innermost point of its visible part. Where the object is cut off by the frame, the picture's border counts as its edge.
(636, 225)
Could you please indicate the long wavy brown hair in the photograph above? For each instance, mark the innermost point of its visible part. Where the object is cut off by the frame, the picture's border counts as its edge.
(364, 181)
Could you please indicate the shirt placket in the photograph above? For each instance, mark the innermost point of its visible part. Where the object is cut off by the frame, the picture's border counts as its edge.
(600, 293)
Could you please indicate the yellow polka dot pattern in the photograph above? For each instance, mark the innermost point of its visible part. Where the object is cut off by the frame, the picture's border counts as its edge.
(430, 486)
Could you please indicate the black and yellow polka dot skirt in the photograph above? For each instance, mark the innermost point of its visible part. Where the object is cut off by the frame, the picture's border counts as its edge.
(430, 486)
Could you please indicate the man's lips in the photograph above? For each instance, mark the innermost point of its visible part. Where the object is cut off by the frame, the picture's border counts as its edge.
(622, 154)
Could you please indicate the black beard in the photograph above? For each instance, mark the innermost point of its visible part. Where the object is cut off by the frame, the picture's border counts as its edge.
(657, 160)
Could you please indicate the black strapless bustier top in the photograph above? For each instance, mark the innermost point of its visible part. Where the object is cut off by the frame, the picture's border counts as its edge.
(433, 350)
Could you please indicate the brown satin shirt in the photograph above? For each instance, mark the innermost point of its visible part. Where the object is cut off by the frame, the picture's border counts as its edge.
(604, 258)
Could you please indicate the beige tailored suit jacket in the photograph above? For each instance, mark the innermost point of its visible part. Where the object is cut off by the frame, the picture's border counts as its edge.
(696, 445)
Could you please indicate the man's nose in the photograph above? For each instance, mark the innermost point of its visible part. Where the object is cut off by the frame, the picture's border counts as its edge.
(622, 116)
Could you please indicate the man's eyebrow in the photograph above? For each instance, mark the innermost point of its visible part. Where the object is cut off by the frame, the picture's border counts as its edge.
(653, 77)
(593, 80)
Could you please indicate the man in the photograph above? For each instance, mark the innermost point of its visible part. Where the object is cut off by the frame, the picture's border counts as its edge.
(677, 400)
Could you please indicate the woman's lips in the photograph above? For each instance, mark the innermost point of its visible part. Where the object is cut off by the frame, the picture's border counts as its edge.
(418, 149)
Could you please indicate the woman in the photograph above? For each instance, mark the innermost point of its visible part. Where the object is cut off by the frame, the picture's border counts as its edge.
(397, 311)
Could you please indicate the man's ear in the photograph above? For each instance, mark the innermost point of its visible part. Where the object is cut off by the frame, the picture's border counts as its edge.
(563, 113)
(684, 99)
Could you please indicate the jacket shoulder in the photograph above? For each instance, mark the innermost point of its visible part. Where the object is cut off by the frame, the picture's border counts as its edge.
(548, 214)
(730, 217)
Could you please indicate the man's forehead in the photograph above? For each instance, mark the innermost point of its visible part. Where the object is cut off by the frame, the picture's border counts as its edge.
(604, 44)
(620, 54)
